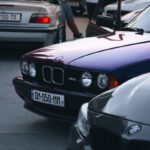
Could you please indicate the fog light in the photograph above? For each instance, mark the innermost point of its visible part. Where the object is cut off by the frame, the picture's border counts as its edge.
(134, 129)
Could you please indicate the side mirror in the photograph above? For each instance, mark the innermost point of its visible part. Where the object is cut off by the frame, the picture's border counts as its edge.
(105, 21)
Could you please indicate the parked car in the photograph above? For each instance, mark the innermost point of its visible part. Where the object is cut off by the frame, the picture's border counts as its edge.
(56, 80)
(126, 7)
(117, 119)
(31, 22)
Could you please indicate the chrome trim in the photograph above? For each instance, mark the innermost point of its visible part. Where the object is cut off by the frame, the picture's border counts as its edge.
(52, 74)
(44, 76)
(62, 76)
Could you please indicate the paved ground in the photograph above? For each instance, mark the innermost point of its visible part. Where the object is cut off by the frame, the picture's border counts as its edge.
(19, 128)
(81, 23)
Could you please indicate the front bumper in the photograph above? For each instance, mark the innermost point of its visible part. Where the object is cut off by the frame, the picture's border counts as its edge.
(69, 113)
(109, 132)
(77, 141)
(46, 36)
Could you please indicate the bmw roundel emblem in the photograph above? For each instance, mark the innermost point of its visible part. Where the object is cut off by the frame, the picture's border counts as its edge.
(133, 129)
(58, 59)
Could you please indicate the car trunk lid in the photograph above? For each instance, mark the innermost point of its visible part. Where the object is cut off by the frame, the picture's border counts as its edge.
(19, 13)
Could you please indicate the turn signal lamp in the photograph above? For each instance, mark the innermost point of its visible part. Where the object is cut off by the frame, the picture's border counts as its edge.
(113, 82)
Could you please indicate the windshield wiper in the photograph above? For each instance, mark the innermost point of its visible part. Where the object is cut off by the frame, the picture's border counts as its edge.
(138, 30)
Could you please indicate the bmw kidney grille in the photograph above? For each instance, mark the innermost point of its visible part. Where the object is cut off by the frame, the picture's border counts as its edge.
(53, 75)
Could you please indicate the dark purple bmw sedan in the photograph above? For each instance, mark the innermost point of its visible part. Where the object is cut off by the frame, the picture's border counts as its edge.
(57, 79)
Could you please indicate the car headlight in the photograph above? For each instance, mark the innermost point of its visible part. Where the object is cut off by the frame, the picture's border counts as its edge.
(86, 79)
(102, 81)
(82, 122)
(32, 70)
(24, 67)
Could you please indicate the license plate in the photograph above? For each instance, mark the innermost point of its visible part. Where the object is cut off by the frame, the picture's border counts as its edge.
(10, 17)
(48, 98)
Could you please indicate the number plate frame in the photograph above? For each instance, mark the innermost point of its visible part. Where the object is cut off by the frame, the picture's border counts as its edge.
(10, 17)
(48, 98)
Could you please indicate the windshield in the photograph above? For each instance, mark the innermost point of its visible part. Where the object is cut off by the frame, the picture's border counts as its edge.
(142, 21)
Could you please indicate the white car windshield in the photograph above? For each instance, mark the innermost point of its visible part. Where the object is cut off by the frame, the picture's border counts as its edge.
(142, 21)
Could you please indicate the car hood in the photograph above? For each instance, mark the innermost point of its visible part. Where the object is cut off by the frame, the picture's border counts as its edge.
(129, 5)
(95, 52)
(129, 101)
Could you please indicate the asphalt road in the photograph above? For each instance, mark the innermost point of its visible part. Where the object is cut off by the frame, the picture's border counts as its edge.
(19, 128)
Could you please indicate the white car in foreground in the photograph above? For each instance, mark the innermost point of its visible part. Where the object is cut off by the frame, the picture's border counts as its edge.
(30, 21)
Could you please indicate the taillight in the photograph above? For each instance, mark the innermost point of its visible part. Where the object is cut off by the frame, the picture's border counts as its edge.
(40, 18)
(43, 19)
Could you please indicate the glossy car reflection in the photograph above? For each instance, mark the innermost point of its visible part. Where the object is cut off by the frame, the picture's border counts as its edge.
(31, 22)
(116, 119)
(57, 79)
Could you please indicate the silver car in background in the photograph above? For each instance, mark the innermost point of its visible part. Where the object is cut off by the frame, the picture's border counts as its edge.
(31, 21)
